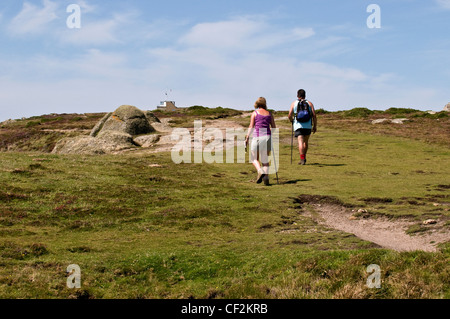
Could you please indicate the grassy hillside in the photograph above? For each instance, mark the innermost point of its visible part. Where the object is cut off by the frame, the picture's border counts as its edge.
(140, 226)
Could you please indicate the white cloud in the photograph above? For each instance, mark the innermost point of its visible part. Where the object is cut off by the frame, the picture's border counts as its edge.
(92, 33)
(85, 7)
(121, 28)
(232, 63)
(33, 19)
(226, 34)
(242, 34)
(302, 33)
(444, 4)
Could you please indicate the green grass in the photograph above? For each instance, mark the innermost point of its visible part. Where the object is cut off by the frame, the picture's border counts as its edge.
(208, 231)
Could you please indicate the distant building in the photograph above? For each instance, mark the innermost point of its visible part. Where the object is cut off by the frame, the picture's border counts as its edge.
(167, 106)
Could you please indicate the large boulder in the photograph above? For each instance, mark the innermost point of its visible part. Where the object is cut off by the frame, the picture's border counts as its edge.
(126, 128)
(126, 119)
(447, 108)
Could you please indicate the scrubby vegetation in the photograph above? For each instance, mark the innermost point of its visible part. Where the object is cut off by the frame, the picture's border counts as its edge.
(140, 226)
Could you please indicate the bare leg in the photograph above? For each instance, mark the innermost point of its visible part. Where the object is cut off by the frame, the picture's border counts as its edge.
(266, 167)
(303, 146)
(255, 162)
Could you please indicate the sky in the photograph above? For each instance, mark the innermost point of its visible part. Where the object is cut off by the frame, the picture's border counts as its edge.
(222, 53)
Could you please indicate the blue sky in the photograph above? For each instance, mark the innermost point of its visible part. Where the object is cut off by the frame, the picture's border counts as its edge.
(222, 53)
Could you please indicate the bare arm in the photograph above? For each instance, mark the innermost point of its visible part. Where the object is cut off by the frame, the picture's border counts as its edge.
(291, 112)
(314, 122)
(251, 127)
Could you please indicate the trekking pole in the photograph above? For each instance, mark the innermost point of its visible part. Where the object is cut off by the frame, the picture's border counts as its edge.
(292, 140)
(274, 161)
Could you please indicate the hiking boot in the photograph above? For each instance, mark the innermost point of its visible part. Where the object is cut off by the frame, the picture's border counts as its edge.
(302, 162)
(261, 175)
(266, 180)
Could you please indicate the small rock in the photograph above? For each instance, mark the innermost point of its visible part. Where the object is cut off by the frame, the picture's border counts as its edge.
(398, 121)
(7, 122)
(447, 108)
(379, 121)
(436, 204)
(394, 121)
(353, 217)
(430, 222)
(147, 141)
(362, 211)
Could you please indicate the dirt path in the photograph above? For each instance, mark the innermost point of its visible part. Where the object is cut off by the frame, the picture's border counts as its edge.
(386, 233)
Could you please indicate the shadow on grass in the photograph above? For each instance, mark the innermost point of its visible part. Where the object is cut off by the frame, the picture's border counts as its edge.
(295, 181)
(330, 165)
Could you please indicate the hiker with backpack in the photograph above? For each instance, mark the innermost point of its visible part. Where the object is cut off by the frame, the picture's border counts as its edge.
(261, 123)
(304, 122)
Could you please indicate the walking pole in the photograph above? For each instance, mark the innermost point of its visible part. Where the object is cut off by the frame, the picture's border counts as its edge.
(274, 161)
(292, 140)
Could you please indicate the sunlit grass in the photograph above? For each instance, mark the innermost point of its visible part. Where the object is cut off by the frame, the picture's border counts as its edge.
(208, 231)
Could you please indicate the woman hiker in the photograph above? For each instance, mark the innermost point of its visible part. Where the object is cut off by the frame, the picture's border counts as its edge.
(261, 123)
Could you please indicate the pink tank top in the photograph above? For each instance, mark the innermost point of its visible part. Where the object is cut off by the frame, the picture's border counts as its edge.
(262, 124)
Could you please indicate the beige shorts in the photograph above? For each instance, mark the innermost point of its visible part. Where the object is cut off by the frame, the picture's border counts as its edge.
(261, 146)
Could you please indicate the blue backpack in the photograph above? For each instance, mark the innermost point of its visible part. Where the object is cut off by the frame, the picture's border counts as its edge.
(303, 112)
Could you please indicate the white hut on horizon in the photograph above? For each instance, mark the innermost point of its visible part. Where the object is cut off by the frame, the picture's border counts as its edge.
(167, 106)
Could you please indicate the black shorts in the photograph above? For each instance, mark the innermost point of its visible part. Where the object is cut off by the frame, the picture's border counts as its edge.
(303, 132)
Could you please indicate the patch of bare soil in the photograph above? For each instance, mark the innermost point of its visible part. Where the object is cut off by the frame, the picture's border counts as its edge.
(385, 232)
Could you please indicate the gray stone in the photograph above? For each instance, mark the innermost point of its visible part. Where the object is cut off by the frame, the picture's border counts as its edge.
(430, 222)
(116, 137)
(399, 121)
(379, 121)
(8, 122)
(151, 117)
(394, 121)
(147, 141)
(128, 119)
(105, 143)
(98, 127)
(447, 108)
(114, 133)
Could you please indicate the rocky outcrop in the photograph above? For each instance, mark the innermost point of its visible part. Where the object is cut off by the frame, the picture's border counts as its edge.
(126, 128)
(447, 108)
(394, 121)
(89, 145)
(126, 119)
(147, 140)
(98, 127)
(7, 122)
(152, 117)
